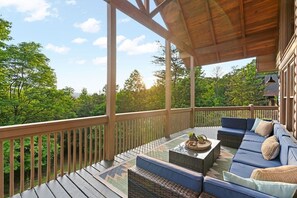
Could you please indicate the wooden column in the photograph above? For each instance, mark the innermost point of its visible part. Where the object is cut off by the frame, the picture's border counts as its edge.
(252, 113)
(168, 89)
(192, 78)
(111, 82)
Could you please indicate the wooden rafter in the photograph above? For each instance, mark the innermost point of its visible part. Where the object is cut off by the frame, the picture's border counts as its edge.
(159, 8)
(242, 23)
(140, 5)
(259, 37)
(147, 6)
(136, 14)
(211, 26)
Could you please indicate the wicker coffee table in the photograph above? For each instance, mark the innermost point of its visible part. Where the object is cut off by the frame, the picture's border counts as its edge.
(199, 161)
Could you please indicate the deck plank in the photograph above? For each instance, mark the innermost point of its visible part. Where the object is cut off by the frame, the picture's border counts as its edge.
(57, 189)
(43, 191)
(72, 189)
(29, 194)
(92, 180)
(89, 190)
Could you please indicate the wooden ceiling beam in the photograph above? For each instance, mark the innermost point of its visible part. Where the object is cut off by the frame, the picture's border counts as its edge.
(159, 7)
(147, 6)
(266, 35)
(242, 23)
(140, 5)
(139, 16)
(211, 26)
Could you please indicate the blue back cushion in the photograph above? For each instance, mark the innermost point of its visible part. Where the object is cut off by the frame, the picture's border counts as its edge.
(286, 143)
(249, 123)
(292, 156)
(279, 130)
(184, 177)
(235, 123)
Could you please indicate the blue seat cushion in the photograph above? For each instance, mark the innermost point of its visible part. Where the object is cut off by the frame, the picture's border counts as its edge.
(247, 132)
(249, 123)
(184, 177)
(231, 131)
(254, 138)
(235, 123)
(222, 189)
(286, 143)
(251, 146)
(255, 159)
(242, 170)
(292, 157)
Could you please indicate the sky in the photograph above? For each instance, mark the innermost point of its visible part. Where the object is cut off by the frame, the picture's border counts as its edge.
(73, 35)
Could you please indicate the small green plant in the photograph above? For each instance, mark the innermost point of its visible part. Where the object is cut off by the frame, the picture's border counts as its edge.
(201, 138)
(192, 136)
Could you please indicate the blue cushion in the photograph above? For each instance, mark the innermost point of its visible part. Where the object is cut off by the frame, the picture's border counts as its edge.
(256, 123)
(235, 123)
(249, 123)
(292, 157)
(251, 146)
(254, 138)
(279, 131)
(242, 170)
(278, 189)
(187, 178)
(231, 131)
(222, 189)
(247, 132)
(255, 159)
(285, 142)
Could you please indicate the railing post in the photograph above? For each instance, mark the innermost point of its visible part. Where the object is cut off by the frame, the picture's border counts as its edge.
(252, 111)
(168, 89)
(192, 77)
(111, 82)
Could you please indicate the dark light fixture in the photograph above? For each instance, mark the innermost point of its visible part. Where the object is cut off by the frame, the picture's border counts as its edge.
(270, 81)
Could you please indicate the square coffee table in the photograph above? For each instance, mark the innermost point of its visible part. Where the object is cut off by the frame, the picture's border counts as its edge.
(199, 161)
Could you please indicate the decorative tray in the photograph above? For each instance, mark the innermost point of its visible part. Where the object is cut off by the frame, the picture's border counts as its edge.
(195, 145)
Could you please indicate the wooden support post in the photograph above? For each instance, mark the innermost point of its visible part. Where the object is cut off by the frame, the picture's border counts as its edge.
(111, 82)
(168, 89)
(252, 111)
(192, 78)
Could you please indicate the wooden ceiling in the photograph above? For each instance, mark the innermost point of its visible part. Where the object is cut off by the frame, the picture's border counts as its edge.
(213, 31)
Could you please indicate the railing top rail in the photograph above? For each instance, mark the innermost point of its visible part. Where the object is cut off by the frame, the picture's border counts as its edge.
(14, 131)
(180, 110)
(230, 108)
(142, 114)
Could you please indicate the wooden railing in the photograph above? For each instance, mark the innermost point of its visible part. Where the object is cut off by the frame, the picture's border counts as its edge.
(211, 116)
(135, 129)
(42, 150)
(32, 154)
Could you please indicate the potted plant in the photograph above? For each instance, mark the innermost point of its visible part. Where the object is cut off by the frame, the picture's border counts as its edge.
(201, 139)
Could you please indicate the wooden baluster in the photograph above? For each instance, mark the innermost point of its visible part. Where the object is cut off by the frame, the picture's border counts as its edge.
(1, 170)
(62, 154)
(11, 174)
(80, 149)
(39, 159)
(69, 151)
(74, 150)
(86, 147)
(32, 162)
(100, 143)
(48, 169)
(55, 156)
(96, 144)
(22, 163)
(91, 147)
(116, 138)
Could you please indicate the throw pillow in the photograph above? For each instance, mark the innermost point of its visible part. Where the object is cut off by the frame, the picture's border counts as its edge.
(287, 173)
(277, 189)
(264, 128)
(270, 148)
(256, 123)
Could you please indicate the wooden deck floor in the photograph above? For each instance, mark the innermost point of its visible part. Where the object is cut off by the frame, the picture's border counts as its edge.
(84, 182)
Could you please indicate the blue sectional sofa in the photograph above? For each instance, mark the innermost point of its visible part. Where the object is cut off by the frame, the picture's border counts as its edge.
(154, 178)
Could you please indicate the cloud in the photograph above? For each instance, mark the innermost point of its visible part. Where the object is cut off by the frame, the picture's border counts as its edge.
(91, 25)
(102, 41)
(57, 49)
(79, 40)
(71, 2)
(100, 60)
(133, 47)
(80, 62)
(125, 20)
(35, 10)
